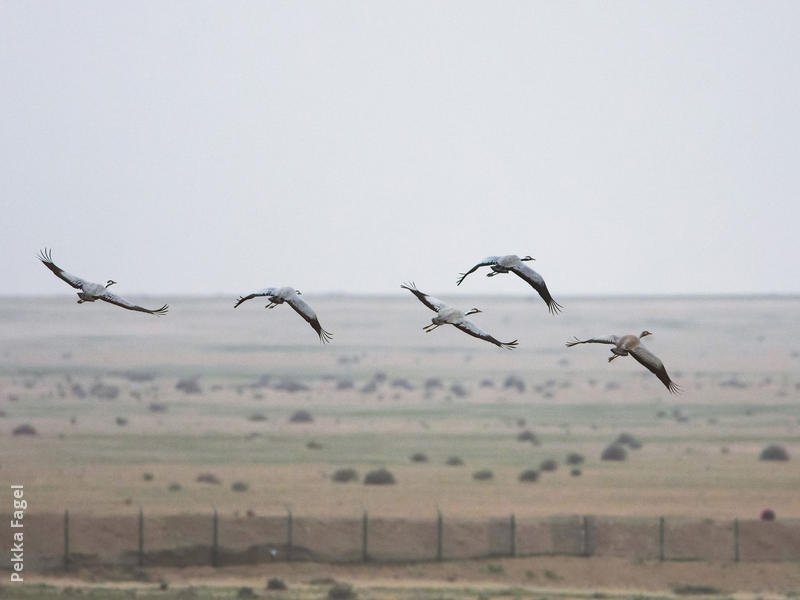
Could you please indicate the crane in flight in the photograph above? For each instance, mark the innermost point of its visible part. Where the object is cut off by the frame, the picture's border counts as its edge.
(291, 296)
(89, 292)
(632, 344)
(446, 315)
(513, 263)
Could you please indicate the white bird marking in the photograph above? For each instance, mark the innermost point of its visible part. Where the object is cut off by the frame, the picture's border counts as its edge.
(513, 263)
(446, 315)
(89, 292)
(631, 344)
(292, 297)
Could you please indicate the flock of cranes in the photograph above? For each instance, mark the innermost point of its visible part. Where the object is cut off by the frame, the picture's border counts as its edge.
(445, 315)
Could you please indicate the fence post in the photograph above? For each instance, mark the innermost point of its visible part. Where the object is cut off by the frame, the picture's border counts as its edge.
(364, 537)
(439, 534)
(214, 538)
(585, 535)
(512, 525)
(289, 538)
(736, 540)
(661, 538)
(66, 540)
(141, 537)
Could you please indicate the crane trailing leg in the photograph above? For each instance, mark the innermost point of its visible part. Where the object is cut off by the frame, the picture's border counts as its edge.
(497, 270)
(617, 353)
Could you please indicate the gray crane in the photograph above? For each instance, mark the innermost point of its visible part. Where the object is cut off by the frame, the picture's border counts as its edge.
(291, 296)
(89, 292)
(632, 344)
(446, 315)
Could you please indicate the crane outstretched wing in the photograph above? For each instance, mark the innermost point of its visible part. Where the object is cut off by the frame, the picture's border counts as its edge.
(433, 303)
(655, 366)
(46, 256)
(119, 301)
(264, 292)
(470, 328)
(304, 310)
(609, 339)
(486, 262)
(537, 282)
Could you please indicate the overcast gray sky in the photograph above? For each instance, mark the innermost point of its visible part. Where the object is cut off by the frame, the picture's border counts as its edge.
(205, 147)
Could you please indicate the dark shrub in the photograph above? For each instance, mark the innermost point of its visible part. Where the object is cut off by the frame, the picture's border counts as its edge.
(369, 388)
(691, 589)
(433, 383)
(614, 452)
(529, 475)
(514, 382)
(240, 486)
(104, 391)
(774, 452)
(483, 475)
(245, 592)
(157, 407)
(287, 385)
(189, 386)
(626, 439)
(344, 384)
(575, 472)
(345, 475)
(257, 417)
(275, 584)
(527, 436)
(573, 458)
(458, 390)
(402, 383)
(419, 457)
(175, 487)
(122, 421)
(767, 514)
(301, 416)
(147, 476)
(379, 477)
(548, 465)
(454, 461)
(341, 591)
(208, 478)
(25, 429)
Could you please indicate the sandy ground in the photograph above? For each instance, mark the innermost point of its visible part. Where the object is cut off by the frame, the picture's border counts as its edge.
(533, 575)
(737, 360)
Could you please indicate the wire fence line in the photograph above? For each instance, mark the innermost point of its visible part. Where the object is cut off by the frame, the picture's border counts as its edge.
(71, 540)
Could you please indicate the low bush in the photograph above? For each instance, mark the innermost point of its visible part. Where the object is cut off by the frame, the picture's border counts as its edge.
(379, 477)
(345, 475)
(483, 475)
